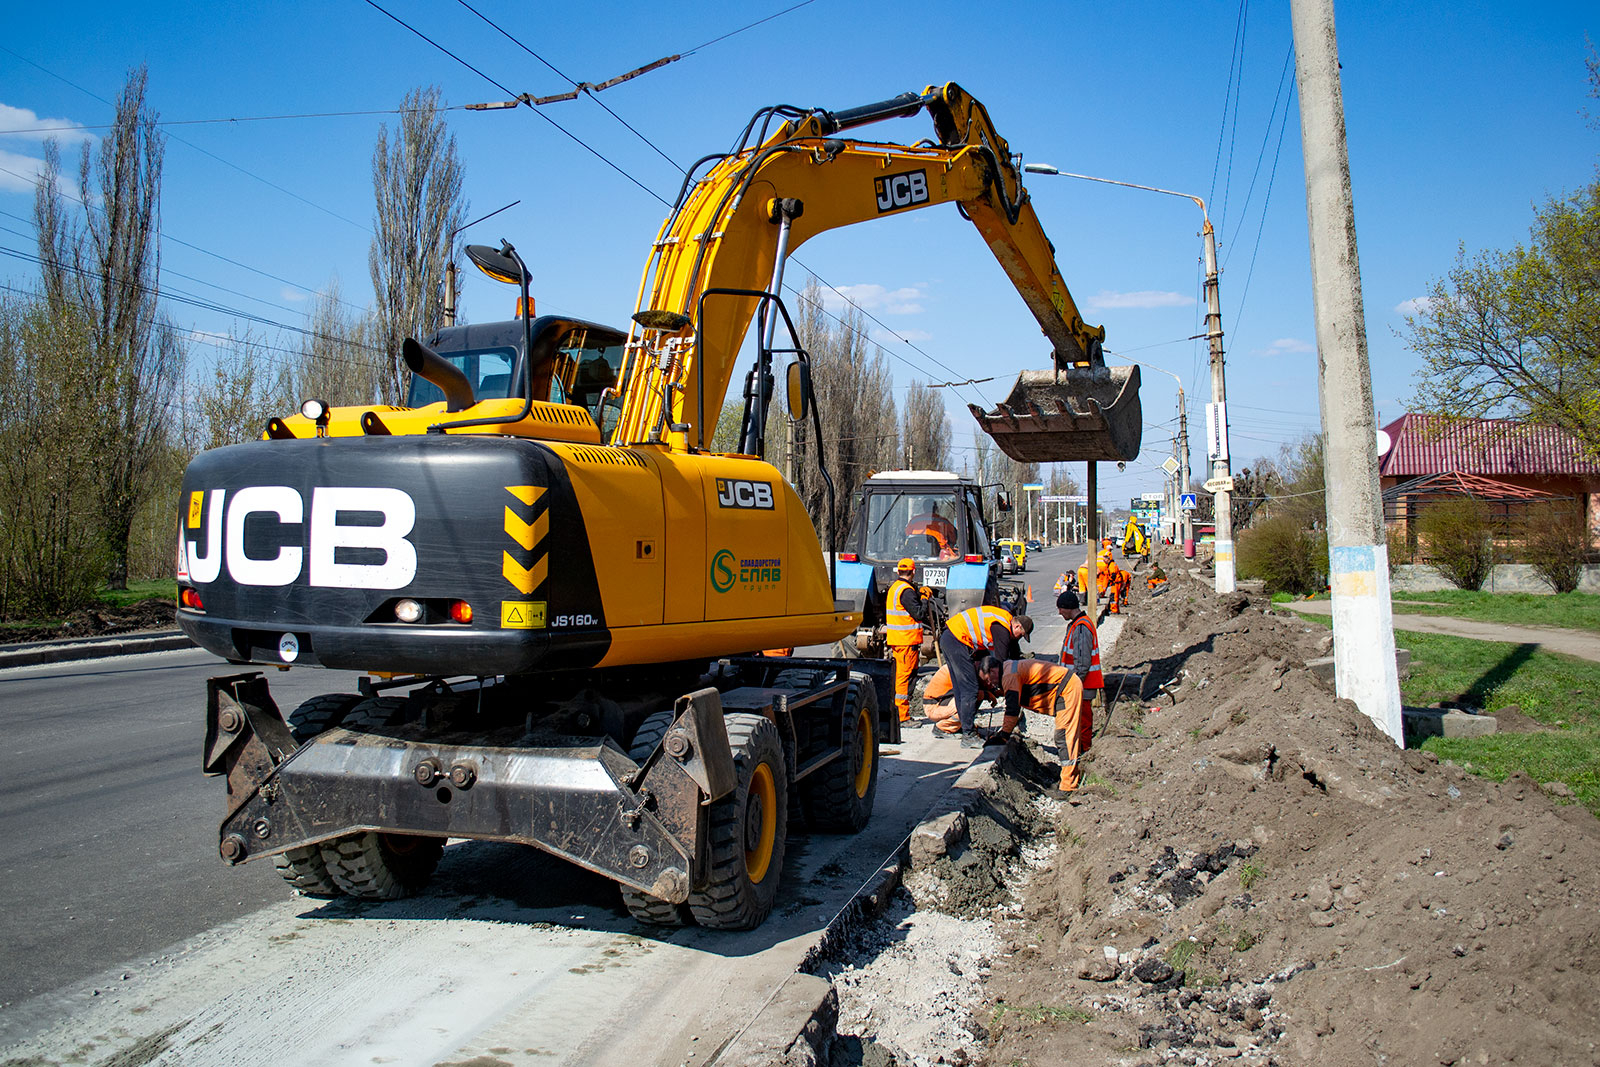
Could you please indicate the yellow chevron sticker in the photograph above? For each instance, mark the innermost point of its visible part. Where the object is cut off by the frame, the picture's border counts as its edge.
(526, 579)
(522, 614)
(196, 504)
(528, 494)
(527, 534)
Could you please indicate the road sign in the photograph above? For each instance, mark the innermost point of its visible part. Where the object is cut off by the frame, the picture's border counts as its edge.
(1055, 500)
(1216, 431)
(1152, 498)
(1169, 465)
(1033, 487)
(1219, 485)
(1187, 501)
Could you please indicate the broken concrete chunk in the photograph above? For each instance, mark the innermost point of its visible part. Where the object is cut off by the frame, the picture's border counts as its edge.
(932, 840)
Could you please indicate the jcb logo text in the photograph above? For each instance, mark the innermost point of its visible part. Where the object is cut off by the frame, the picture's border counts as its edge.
(736, 493)
(901, 190)
(333, 531)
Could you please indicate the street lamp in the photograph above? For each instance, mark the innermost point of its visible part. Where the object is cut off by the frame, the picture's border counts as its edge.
(1221, 481)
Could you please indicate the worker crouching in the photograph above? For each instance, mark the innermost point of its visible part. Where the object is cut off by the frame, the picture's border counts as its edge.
(970, 636)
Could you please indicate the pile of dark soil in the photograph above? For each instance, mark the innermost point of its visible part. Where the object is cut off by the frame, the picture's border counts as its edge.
(102, 621)
(1257, 874)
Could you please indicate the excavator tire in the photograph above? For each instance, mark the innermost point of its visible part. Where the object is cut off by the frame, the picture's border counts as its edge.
(319, 714)
(373, 865)
(838, 798)
(747, 831)
(303, 868)
(641, 905)
(374, 713)
(377, 866)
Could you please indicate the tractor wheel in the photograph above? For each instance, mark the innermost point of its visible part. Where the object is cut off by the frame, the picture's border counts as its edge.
(641, 905)
(379, 866)
(319, 714)
(838, 797)
(747, 831)
(305, 870)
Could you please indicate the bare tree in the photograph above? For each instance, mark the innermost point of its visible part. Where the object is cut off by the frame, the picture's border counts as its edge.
(855, 403)
(107, 268)
(416, 184)
(233, 402)
(925, 433)
(340, 359)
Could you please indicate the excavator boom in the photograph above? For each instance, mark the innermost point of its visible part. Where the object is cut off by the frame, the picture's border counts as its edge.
(757, 204)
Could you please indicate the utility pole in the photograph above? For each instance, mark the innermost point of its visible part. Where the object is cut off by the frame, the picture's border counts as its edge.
(1363, 621)
(1185, 517)
(1222, 506)
(450, 292)
(1090, 537)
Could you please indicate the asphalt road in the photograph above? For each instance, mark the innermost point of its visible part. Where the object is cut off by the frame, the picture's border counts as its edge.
(107, 827)
(122, 924)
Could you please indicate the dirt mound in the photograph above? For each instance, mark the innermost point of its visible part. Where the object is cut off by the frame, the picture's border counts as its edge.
(1259, 875)
(155, 614)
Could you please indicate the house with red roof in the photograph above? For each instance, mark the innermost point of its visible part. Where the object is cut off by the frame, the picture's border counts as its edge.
(1507, 463)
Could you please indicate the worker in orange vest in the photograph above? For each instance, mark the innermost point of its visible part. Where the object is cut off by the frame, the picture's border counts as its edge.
(1080, 654)
(1046, 689)
(904, 611)
(968, 637)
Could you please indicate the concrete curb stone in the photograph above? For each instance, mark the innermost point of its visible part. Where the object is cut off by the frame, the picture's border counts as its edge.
(93, 648)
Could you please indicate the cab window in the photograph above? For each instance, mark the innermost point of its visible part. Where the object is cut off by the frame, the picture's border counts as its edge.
(585, 367)
(980, 536)
(923, 526)
(488, 369)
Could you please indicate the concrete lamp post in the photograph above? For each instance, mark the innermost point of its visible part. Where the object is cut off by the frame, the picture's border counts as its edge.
(1220, 484)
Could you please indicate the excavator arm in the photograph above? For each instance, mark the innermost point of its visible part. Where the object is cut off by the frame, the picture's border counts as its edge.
(757, 204)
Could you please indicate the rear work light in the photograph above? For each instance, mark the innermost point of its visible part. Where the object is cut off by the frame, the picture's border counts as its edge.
(190, 599)
(408, 611)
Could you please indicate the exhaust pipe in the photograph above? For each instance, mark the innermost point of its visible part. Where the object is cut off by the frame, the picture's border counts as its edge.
(435, 368)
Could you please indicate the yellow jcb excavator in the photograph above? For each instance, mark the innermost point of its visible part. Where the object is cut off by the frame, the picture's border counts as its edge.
(543, 556)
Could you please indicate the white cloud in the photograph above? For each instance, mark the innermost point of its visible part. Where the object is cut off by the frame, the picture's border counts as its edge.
(1284, 346)
(18, 173)
(1417, 305)
(294, 296)
(19, 122)
(1144, 298)
(907, 300)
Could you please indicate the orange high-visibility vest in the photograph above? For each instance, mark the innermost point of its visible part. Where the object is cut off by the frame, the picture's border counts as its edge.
(1036, 683)
(971, 627)
(903, 629)
(1094, 679)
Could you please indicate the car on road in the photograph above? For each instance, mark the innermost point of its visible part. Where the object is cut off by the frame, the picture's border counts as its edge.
(1008, 561)
(1034, 545)
(1018, 550)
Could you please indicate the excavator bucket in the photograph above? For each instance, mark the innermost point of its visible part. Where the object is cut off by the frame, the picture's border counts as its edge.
(1081, 413)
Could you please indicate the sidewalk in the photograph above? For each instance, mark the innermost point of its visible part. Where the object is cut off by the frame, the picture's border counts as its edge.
(1552, 639)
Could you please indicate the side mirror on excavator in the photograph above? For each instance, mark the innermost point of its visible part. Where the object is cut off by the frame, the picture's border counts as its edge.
(495, 263)
(1002, 502)
(798, 390)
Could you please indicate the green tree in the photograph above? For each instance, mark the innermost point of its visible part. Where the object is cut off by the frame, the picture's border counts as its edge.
(106, 268)
(1514, 333)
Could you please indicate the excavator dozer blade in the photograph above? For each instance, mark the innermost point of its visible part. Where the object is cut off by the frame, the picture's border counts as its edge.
(1053, 416)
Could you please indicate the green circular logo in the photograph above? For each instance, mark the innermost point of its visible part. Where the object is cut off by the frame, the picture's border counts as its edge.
(722, 571)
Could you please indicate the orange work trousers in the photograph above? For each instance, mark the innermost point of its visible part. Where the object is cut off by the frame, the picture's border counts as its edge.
(1074, 735)
(905, 669)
